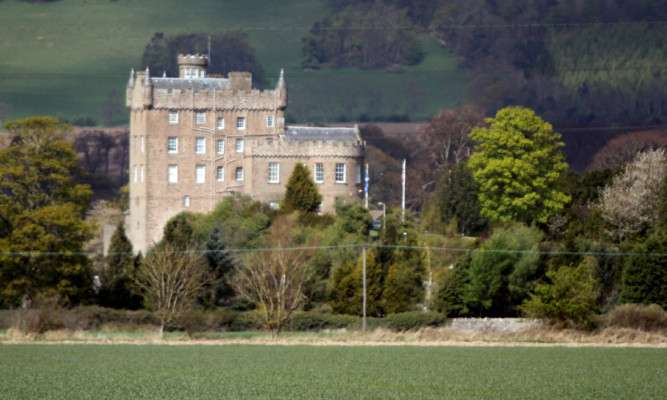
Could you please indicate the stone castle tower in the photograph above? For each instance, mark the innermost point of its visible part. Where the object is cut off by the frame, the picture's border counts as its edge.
(195, 139)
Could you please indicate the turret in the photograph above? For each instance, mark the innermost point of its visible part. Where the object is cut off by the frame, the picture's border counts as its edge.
(281, 88)
(192, 66)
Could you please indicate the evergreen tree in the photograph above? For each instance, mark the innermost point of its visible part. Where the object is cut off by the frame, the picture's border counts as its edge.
(220, 263)
(301, 194)
(449, 298)
(644, 278)
(119, 290)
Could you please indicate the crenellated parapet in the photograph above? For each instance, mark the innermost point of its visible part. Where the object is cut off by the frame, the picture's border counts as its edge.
(305, 149)
(214, 99)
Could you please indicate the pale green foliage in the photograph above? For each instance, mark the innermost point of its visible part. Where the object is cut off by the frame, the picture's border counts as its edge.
(570, 299)
(517, 166)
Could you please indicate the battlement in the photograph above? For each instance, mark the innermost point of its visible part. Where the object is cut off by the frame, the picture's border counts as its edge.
(304, 149)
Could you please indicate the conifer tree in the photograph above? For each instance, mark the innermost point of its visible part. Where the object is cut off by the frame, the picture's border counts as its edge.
(119, 290)
(301, 194)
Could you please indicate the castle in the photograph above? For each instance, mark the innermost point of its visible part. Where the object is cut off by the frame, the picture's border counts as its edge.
(195, 139)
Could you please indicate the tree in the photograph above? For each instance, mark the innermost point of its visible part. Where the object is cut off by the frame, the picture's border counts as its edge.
(221, 264)
(630, 203)
(449, 298)
(503, 272)
(42, 230)
(623, 149)
(171, 278)
(518, 167)
(230, 51)
(274, 279)
(644, 279)
(180, 231)
(301, 194)
(119, 290)
(569, 298)
(347, 294)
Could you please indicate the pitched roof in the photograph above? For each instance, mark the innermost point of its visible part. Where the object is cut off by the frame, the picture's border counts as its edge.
(310, 133)
(197, 84)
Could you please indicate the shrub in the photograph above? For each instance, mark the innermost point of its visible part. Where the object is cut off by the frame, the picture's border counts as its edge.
(310, 321)
(413, 320)
(637, 316)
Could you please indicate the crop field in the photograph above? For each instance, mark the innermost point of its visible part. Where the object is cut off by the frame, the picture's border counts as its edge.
(67, 56)
(93, 371)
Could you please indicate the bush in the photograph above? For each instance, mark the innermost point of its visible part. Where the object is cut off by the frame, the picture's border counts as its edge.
(413, 320)
(637, 316)
(310, 321)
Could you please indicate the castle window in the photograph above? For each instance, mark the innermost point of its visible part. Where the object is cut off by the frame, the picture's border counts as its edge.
(172, 173)
(221, 124)
(340, 173)
(239, 145)
(274, 205)
(188, 72)
(269, 121)
(221, 174)
(172, 145)
(274, 172)
(200, 145)
(200, 117)
(357, 173)
(269, 140)
(195, 73)
(240, 123)
(221, 146)
(200, 174)
(239, 173)
(319, 172)
(173, 117)
(319, 209)
(186, 201)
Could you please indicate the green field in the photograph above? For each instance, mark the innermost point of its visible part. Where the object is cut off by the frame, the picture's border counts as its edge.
(56, 371)
(66, 56)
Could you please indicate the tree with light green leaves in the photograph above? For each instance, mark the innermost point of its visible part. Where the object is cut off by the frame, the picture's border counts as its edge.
(518, 165)
(301, 194)
(42, 229)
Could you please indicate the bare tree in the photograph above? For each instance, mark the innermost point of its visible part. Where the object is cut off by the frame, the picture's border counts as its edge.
(623, 149)
(274, 279)
(630, 202)
(171, 279)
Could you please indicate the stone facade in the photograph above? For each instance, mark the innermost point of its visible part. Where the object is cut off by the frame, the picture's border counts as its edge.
(195, 139)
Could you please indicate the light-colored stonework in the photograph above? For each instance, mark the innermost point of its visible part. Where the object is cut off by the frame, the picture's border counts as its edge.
(178, 125)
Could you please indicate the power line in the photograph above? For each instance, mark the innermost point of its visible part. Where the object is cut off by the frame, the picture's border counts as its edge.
(35, 254)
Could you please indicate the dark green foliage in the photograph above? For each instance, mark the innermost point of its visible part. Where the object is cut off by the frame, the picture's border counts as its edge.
(347, 293)
(503, 271)
(301, 194)
(230, 51)
(179, 231)
(119, 290)
(353, 219)
(403, 287)
(310, 321)
(635, 316)
(455, 197)
(449, 298)
(569, 299)
(645, 275)
(337, 40)
(414, 320)
(220, 263)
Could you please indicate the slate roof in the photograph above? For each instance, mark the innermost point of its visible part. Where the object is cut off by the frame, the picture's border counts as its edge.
(197, 84)
(309, 133)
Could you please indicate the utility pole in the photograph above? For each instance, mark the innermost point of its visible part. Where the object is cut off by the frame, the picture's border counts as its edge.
(363, 277)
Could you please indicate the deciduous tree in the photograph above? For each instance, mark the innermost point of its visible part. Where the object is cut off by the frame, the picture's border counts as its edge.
(171, 278)
(518, 167)
(42, 230)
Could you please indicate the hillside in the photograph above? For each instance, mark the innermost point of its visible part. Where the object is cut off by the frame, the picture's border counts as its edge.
(66, 57)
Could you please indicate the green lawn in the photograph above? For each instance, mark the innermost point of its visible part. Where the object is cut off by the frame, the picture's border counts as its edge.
(66, 56)
(384, 372)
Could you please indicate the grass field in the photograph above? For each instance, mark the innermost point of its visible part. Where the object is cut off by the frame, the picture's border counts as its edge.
(66, 56)
(55, 371)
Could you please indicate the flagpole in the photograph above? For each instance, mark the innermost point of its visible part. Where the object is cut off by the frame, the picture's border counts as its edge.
(366, 186)
(403, 197)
